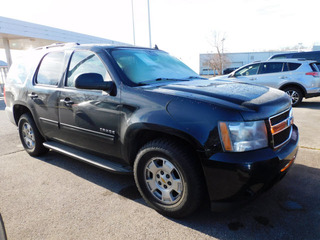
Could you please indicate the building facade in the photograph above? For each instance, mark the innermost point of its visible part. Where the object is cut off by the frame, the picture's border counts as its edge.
(235, 60)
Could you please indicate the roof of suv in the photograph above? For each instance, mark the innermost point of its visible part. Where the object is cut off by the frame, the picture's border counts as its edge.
(72, 45)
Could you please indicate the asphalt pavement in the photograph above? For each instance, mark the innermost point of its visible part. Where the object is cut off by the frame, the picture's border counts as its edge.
(56, 197)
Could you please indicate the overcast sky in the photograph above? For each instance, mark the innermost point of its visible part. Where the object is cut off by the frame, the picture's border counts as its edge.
(181, 27)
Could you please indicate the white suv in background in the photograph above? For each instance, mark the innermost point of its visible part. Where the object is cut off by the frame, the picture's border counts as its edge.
(297, 77)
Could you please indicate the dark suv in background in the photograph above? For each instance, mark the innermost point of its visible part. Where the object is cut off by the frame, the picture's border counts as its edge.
(312, 55)
(140, 110)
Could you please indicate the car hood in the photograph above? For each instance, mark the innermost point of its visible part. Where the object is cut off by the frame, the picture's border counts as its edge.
(252, 101)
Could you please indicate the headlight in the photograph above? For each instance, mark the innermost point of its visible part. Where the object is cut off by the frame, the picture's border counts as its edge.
(243, 136)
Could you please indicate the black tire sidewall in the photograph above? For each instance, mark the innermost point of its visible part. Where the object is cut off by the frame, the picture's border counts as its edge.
(39, 148)
(191, 191)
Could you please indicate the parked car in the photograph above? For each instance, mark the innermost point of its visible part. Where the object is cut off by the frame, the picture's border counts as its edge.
(229, 70)
(142, 111)
(312, 55)
(298, 78)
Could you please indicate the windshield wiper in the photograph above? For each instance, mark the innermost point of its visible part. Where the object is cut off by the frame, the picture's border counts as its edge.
(161, 79)
(196, 77)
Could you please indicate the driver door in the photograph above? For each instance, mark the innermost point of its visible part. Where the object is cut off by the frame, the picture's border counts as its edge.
(247, 74)
(89, 119)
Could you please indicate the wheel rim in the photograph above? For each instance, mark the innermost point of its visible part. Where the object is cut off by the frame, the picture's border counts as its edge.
(28, 135)
(164, 181)
(294, 95)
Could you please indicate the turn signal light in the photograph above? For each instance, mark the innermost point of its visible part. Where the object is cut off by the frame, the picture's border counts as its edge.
(225, 136)
(288, 165)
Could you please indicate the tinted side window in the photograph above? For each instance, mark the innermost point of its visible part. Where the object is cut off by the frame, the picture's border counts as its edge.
(85, 62)
(278, 56)
(51, 69)
(24, 67)
(249, 70)
(293, 66)
(271, 67)
(281, 56)
(18, 74)
(306, 55)
(314, 67)
(285, 67)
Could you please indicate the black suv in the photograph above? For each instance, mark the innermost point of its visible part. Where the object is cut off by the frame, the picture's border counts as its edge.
(128, 109)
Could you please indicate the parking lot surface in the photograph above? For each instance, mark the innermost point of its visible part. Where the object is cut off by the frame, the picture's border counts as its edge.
(56, 197)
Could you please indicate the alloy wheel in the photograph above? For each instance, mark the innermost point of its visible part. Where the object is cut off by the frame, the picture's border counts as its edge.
(28, 135)
(294, 95)
(164, 180)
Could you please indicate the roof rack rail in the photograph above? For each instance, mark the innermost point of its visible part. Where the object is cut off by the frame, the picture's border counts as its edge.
(288, 59)
(58, 44)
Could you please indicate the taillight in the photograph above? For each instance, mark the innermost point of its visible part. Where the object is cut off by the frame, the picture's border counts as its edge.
(314, 74)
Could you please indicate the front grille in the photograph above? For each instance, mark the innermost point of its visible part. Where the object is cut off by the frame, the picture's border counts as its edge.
(281, 128)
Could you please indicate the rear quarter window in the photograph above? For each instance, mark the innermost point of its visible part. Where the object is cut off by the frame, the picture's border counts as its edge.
(314, 67)
(293, 66)
(23, 68)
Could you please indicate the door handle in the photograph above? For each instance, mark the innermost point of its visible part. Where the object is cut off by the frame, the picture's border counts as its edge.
(253, 78)
(283, 77)
(32, 95)
(67, 101)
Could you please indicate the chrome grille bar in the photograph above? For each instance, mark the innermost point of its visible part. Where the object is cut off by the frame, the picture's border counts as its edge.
(279, 125)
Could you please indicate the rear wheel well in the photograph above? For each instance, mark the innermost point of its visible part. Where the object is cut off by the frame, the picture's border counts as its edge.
(18, 110)
(303, 91)
(146, 136)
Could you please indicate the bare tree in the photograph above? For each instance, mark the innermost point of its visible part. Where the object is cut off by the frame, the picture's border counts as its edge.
(218, 60)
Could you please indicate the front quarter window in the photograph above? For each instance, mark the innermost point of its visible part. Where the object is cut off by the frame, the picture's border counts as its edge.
(248, 70)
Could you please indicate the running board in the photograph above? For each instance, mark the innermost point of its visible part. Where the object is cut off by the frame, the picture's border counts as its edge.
(88, 158)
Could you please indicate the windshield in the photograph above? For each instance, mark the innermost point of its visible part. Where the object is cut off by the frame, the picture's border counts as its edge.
(144, 66)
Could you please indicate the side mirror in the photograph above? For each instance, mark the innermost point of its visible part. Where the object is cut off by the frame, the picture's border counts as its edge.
(233, 75)
(93, 81)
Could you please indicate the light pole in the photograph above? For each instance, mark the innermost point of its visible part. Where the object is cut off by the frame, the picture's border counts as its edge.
(134, 33)
(222, 58)
(149, 25)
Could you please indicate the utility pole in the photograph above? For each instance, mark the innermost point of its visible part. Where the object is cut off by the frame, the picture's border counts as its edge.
(222, 57)
(150, 44)
(134, 33)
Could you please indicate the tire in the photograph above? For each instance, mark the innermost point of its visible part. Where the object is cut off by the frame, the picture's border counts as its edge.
(169, 178)
(30, 136)
(295, 94)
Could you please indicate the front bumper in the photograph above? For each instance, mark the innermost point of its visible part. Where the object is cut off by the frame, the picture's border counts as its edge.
(235, 178)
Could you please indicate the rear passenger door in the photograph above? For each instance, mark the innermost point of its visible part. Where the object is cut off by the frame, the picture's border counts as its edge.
(89, 119)
(43, 95)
